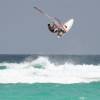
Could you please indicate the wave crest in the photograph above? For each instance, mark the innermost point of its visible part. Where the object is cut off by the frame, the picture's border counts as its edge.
(42, 70)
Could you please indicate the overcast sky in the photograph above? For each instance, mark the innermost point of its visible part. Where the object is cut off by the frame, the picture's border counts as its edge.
(24, 31)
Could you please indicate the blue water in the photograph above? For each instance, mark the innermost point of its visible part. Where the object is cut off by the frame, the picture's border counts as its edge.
(49, 77)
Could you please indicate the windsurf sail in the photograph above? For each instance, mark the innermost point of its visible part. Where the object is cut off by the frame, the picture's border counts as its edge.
(55, 19)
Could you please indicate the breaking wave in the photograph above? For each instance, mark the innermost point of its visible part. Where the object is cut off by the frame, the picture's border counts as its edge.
(42, 70)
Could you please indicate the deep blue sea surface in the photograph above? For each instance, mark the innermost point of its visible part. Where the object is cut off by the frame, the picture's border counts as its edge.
(49, 77)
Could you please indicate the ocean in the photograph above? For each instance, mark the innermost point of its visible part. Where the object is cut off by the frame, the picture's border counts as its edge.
(49, 77)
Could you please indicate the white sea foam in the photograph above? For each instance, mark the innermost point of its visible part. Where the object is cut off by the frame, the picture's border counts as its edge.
(42, 70)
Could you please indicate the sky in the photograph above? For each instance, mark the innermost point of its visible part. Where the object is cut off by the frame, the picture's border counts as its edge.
(24, 31)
